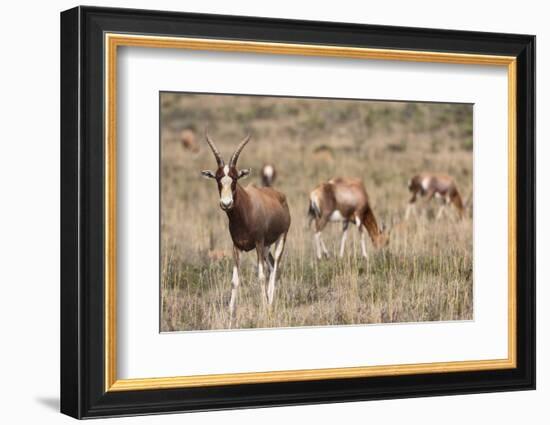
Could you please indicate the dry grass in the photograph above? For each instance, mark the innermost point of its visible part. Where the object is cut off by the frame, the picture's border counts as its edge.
(425, 273)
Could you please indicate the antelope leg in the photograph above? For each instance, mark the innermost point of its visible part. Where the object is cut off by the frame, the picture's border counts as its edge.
(325, 250)
(344, 237)
(363, 244)
(411, 208)
(234, 281)
(440, 212)
(279, 248)
(261, 273)
(317, 239)
(268, 259)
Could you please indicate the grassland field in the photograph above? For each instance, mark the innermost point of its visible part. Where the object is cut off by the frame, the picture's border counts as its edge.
(424, 274)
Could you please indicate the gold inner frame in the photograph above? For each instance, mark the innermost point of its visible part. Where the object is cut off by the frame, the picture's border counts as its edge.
(113, 41)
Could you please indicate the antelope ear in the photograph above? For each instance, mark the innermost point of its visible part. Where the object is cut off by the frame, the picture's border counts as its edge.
(243, 173)
(208, 174)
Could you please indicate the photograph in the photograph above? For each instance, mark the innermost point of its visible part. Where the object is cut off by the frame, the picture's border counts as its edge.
(284, 210)
(280, 212)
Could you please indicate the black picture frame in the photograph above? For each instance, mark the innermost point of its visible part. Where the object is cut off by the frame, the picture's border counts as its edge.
(83, 392)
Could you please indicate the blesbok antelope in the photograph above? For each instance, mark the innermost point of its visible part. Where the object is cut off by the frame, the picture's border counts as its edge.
(429, 185)
(189, 140)
(258, 218)
(344, 200)
(323, 154)
(268, 175)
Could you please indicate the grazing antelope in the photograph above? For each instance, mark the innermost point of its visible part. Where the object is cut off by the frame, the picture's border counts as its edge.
(429, 185)
(258, 218)
(268, 175)
(189, 140)
(344, 200)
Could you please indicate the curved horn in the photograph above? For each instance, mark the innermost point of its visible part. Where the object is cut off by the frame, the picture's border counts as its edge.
(235, 156)
(215, 150)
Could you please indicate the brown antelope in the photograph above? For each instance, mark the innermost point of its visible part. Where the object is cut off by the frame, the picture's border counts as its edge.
(429, 185)
(189, 140)
(268, 175)
(323, 154)
(258, 218)
(344, 200)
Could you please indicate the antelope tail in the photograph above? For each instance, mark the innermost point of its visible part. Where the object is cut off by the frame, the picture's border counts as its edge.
(314, 211)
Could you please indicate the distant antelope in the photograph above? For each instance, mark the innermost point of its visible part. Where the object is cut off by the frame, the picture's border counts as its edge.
(258, 218)
(268, 175)
(323, 154)
(189, 140)
(429, 185)
(344, 200)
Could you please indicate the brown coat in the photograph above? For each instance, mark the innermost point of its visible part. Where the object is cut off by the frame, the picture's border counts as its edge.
(440, 185)
(344, 199)
(260, 215)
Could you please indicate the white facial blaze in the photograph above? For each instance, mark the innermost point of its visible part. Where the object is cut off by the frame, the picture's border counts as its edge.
(226, 195)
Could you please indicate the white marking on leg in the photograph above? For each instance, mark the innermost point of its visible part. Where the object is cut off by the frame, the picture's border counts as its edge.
(325, 250)
(261, 276)
(343, 241)
(261, 273)
(279, 247)
(357, 221)
(363, 245)
(317, 239)
(234, 283)
(234, 289)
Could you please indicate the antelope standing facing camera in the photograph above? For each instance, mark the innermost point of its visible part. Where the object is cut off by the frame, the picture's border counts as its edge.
(441, 186)
(268, 175)
(344, 200)
(258, 218)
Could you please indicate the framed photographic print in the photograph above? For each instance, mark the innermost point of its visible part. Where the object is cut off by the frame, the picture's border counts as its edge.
(261, 212)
